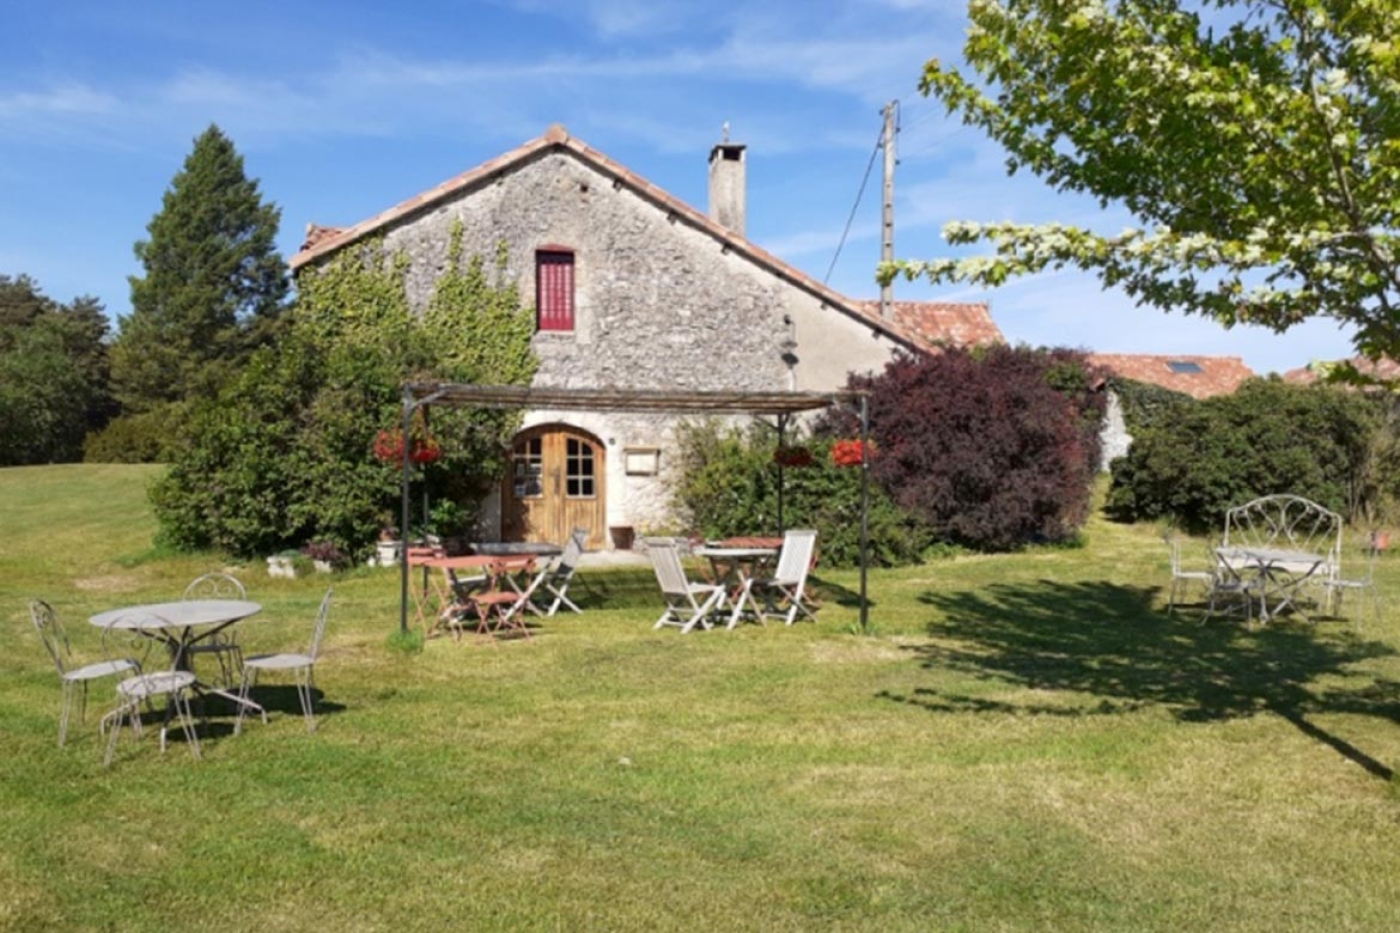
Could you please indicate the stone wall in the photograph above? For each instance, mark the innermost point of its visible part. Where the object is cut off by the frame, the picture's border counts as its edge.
(1114, 434)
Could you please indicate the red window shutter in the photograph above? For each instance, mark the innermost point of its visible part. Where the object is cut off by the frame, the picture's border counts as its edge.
(554, 288)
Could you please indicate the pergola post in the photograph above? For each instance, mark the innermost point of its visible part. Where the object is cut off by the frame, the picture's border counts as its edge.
(782, 441)
(409, 404)
(864, 507)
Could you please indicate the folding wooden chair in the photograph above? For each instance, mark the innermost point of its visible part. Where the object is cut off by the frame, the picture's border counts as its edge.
(784, 594)
(687, 604)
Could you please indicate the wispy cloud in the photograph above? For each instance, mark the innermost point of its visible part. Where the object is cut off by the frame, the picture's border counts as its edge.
(68, 98)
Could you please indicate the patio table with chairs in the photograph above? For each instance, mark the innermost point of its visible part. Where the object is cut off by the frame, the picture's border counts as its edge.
(1276, 552)
(495, 600)
(176, 627)
(765, 581)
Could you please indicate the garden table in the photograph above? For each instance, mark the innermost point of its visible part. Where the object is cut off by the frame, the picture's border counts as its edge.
(517, 548)
(1279, 573)
(733, 568)
(177, 625)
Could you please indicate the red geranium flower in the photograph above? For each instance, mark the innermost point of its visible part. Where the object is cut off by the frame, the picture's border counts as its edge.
(851, 453)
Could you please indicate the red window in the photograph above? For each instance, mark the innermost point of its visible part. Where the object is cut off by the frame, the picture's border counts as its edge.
(554, 289)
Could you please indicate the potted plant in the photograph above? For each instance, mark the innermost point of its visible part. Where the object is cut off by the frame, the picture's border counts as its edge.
(388, 547)
(324, 556)
(287, 564)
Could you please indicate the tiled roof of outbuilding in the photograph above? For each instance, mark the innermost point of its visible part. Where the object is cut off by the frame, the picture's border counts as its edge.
(1197, 376)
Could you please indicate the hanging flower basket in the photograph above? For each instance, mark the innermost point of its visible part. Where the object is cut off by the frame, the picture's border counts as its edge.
(845, 453)
(792, 457)
(388, 448)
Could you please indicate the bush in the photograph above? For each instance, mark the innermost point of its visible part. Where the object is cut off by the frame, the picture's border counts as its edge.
(146, 437)
(991, 449)
(729, 486)
(1269, 437)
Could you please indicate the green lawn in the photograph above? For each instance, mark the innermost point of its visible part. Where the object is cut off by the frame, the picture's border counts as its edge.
(1025, 742)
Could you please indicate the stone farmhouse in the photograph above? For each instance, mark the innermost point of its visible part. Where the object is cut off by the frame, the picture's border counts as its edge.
(633, 288)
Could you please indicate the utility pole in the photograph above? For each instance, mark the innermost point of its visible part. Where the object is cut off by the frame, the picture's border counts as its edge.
(887, 207)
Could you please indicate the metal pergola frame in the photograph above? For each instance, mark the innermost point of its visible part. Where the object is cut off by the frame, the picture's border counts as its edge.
(783, 405)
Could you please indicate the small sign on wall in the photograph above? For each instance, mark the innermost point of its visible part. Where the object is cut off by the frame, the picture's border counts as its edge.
(642, 461)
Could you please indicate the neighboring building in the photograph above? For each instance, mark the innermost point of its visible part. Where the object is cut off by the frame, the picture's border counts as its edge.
(1197, 376)
(1384, 369)
(635, 289)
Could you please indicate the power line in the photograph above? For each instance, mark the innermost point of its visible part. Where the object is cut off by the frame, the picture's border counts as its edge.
(879, 138)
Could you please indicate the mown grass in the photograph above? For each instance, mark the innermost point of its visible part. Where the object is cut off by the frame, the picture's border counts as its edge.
(1027, 742)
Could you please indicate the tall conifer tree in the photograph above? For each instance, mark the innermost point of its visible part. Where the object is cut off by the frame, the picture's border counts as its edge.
(213, 282)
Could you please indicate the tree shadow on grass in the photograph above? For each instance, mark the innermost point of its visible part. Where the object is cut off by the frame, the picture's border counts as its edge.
(1106, 641)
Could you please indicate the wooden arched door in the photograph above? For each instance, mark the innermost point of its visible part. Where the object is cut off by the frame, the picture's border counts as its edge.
(555, 484)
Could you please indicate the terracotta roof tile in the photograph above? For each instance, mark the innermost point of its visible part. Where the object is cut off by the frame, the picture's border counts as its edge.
(1197, 376)
(942, 323)
(916, 328)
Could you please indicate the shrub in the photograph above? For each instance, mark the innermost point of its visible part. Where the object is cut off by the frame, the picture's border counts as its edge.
(144, 437)
(990, 449)
(1269, 437)
(729, 486)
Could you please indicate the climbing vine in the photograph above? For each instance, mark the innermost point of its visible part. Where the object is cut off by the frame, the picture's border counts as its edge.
(286, 454)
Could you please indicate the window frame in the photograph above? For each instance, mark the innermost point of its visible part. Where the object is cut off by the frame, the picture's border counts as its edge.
(556, 289)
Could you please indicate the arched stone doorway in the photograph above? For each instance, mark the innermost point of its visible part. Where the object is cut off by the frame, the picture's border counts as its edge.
(555, 483)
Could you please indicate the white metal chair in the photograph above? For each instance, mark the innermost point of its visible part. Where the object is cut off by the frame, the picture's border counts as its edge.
(221, 645)
(687, 604)
(55, 639)
(1338, 586)
(788, 585)
(1180, 577)
(555, 579)
(133, 693)
(301, 665)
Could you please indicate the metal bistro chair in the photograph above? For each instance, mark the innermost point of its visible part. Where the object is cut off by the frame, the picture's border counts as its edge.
(55, 639)
(687, 604)
(221, 645)
(1206, 578)
(135, 692)
(301, 665)
(1338, 586)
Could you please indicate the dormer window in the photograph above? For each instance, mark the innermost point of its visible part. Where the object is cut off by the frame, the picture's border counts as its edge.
(1183, 366)
(554, 289)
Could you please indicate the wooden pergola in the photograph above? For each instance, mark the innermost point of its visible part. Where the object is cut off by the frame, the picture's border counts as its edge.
(782, 405)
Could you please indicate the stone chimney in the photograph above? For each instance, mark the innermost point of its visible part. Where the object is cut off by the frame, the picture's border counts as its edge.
(727, 184)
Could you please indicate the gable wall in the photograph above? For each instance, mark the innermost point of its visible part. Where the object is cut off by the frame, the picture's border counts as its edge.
(658, 303)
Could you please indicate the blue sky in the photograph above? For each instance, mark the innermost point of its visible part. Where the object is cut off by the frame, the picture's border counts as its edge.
(342, 110)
